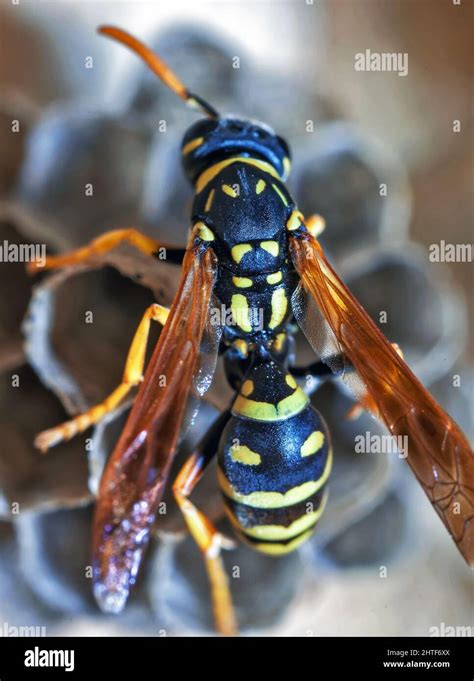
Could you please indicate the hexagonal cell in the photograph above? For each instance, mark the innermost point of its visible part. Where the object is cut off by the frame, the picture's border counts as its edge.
(262, 587)
(338, 176)
(83, 173)
(373, 540)
(423, 314)
(79, 349)
(55, 559)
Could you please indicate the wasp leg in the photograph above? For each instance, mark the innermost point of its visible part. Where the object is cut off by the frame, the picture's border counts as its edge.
(319, 372)
(132, 376)
(333, 367)
(208, 539)
(316, 370)
(105, 243)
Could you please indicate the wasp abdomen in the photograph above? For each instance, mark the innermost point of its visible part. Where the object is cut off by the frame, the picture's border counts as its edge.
(274, 461)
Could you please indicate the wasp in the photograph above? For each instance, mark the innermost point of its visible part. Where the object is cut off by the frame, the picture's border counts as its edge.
(252, 253)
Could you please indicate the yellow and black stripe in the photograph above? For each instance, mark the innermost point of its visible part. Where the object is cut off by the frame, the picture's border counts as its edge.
(275, 530)
(274, 461)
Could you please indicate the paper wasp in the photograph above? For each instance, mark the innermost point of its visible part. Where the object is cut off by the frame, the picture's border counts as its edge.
(250, 250)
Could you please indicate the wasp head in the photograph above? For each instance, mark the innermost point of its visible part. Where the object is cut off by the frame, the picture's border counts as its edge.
(211, 140)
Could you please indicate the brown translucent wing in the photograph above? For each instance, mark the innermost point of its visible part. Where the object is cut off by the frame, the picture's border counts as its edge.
(136, 473)
(438, 452)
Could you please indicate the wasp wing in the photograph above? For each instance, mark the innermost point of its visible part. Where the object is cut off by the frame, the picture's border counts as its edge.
(136, 473)
(438, 452)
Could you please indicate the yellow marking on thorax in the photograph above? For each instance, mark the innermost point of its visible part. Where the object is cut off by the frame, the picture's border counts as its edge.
(286, 167)
(313, 443)
(275, 278)
(247, 388)
(240, 312)
(280, 194)
(279, 308)
(193, 144)
(291, 381)
(271, 247)
(243, 454)
(261, 184)
(265, 411)
(203, 231)
(295, 220)
(209, 201)
(238, 252)
(276, 499)
(230, 191)
(242, 282)
(209, 174)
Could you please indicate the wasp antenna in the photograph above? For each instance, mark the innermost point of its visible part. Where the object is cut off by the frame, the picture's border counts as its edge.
(158, 66)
